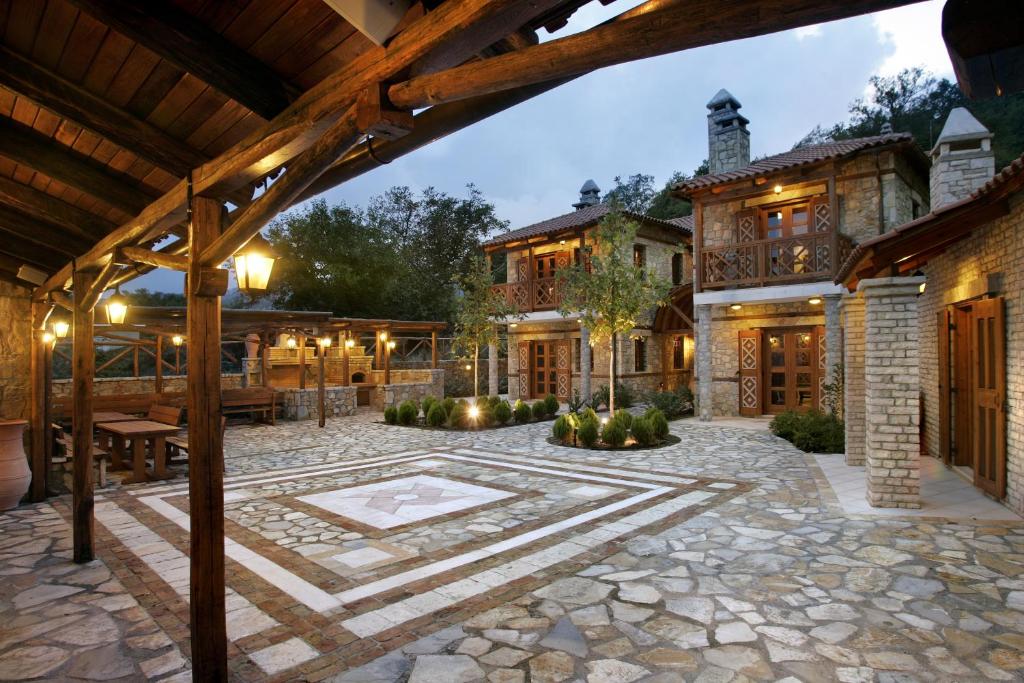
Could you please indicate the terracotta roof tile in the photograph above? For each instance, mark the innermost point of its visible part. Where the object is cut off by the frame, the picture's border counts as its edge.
(580, 219)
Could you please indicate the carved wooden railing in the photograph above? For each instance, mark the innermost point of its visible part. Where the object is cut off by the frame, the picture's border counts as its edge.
(539, 294)
(774, 261)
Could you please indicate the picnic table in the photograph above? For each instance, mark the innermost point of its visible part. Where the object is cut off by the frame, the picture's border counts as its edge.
(140, 431)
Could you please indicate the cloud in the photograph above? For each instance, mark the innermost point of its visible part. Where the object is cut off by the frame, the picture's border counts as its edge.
(912, 36)
(812, 31)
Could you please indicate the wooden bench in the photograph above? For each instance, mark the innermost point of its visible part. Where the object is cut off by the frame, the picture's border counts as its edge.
(65, 451)
(254, 400)
(133, 404)
(168, 415)
(177, 446)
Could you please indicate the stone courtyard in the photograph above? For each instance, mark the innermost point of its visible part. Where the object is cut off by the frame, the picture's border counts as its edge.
(367, 553)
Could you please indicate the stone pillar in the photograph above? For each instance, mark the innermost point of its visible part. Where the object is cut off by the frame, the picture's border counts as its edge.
(586, 353)
(833, 337)
(492, 369)
(704, 378)
(893, 386)
(853, 378)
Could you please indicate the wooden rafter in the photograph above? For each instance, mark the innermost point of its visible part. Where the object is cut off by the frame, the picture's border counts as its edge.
(192, 46)
(46, 207)
(39, 232)
(154, 258)
(34, 150)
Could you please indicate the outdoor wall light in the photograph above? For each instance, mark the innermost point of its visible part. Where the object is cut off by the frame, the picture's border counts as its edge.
(349, 343)
(814, 300)
(778, 189)
(325, 341)
(61, 327)
(48, 338)
(736, 307)
(391, 345)
(383, 336)
(117, 308)
(177, 340)
(513, 325)
(920, 290)
(253, 265)
(291, 343)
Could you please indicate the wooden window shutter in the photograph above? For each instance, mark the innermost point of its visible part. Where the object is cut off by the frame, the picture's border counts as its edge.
(750, 373)
(820, 214)
(821, 369)
(988, 373)
(563, 369)
(942, 324)
(746, 226)
(524, 369)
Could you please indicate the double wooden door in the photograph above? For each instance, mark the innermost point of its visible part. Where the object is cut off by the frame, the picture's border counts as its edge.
(545, 367)
(781, 369)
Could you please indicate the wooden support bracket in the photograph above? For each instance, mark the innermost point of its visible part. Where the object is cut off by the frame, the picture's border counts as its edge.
(377, 116)
(211, 282)
(157, 259)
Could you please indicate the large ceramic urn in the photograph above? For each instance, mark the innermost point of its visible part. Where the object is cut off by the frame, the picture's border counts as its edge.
(14, 472)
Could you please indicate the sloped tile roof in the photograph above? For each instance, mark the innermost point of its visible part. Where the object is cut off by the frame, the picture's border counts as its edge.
(801, 156)
(580, 219)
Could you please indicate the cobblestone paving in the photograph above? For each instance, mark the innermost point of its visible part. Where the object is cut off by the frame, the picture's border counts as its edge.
(756, 576)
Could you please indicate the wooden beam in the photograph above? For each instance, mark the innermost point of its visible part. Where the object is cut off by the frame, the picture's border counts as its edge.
(302, 361)
(156, 259)
(158, 373)
(89, 297)
(321, 397)
(83, 362)
(46, 207)
(206, 459)
(433, 350)
(24, 145)
(74, 103)
(193, 46)
(345, 370)
(39, 232)
(39, 427)
(657, 27)
(23, 251)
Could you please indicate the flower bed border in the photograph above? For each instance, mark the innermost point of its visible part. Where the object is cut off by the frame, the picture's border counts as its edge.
(669, 440)
(420, 424)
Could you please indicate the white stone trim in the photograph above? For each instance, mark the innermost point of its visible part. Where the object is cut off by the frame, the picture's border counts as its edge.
(774, 294)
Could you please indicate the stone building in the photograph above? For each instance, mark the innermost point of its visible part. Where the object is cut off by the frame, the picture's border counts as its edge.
(769, 237)
(942, 336)
(550, 353)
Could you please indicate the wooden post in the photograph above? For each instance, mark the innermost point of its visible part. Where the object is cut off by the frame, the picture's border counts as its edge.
(345, 378)
(206, 451)
(433, 350)
(376, 351)
(321, 394)
(83, 366)
(135, 359)
(302, 361)
(265, 360)
(158, 376)
(39, 427)
(387, 359)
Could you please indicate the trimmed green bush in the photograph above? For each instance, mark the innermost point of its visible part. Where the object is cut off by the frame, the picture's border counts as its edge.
(482, 401)
(448, 404)
(625, 417)
(643, 431)
(521, 412)
(436, 415)
(485, 417)
(502, 412)
(539, 410)
(494, 400)
(613, 433)
(562, 430)
(550, 404)
(408, 412)
(588, 432)
(426, 404)
(659, 423)
(457, 418)
(623, 396)
(589, 414)
(785, 424)
(817, 432)
(391, 415)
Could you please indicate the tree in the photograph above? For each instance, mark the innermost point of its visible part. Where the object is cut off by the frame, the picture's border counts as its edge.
(637, 195)
(144, 297)
(477, 311)
(610, 293)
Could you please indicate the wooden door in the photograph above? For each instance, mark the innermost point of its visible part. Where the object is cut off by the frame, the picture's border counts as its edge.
(791, 370)
(988, 370)
(962, 389)
(750, 373)
(545, 371)
(524, 369)
(942, 323)
(563, 370)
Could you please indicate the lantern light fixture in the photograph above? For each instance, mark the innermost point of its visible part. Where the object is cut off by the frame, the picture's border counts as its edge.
(325, 341)
(736, 307)
(383, 335)
(391, 345)
(48, 337)
(61, 327)
(253, 264)
(117, 308)
(350, 342)
(922, 287)
(291, 343)
(177, 340)
(778, 189)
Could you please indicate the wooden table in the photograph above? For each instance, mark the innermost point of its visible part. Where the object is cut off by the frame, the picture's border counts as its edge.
(140, 431)
(113, 416)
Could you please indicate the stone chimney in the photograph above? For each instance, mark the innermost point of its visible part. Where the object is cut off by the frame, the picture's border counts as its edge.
(590, 194)
(962, 159)
(728, 137)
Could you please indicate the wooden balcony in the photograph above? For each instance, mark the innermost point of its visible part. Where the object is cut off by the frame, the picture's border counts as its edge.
(781, 261)
(527, 296)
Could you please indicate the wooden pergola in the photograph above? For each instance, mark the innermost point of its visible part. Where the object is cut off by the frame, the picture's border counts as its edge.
(134, 136)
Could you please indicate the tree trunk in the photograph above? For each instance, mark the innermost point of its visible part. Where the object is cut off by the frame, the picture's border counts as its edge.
(611, 376)
(476, 366)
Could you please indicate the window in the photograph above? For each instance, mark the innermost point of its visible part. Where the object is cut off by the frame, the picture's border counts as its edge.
(639, 255)
(677, 269)
(915, 209)
(544, 266)
(499, 268)
(790, 220)
(640, 354)
(677, 353)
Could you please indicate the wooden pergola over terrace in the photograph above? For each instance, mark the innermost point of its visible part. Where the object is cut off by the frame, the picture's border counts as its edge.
(129, 129)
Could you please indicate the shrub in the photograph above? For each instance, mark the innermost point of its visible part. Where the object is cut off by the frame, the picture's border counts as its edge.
(817, 432)
(436, 415)
(427, 403)
(482, 401)
(391, 415)
(588, 431)
(493, 400)
(576, 403)
(457, 417)
(457, 384)
(785, 424)
(485, 418)
(613, 433)
(550, 404)
(659, 423)
(408, 412)
(643, 431)
(448, 404)
(623, 396)
(625, 417)
(589, 414)
(562, 430)
(502, 412)
(521, 412)
(672, 403)
(539, 410)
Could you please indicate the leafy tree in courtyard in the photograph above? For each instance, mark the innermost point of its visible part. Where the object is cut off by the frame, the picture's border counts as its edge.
(637, 194)
(476, 310)
(144, 297)
(613, 294)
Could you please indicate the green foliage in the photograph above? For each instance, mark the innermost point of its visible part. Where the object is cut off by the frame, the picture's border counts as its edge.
(636, 194)
(785, 424)
(589, 414)
(624, 416)
(493, 400)
(834, 391)
(659, 423)
(562, 429)
(427, 403)
(485, 416)
(576, 403)
(613, 433)
(448, 404)
(539, 410)
(144, 297)
(477, 308)
(458, 418)
(482, 402)
(436, 415)
(643, 431)
(521, 412)
(812, 432)
(391, 415)
(502, 412)
(672, 403)
(588, 431)
(408, 412)
(550, 404)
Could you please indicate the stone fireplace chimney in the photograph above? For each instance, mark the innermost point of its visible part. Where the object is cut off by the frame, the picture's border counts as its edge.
(962, 159)
(590, 194)
(728, 137)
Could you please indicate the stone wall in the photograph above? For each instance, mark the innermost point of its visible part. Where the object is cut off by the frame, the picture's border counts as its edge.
(386, 395)
(302, 404)
(15, 344)
(959, 274)
(956, 174)
(111, 386)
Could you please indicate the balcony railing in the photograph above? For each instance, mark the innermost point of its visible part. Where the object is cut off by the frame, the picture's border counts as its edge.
(540, 294)
(774, 261)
